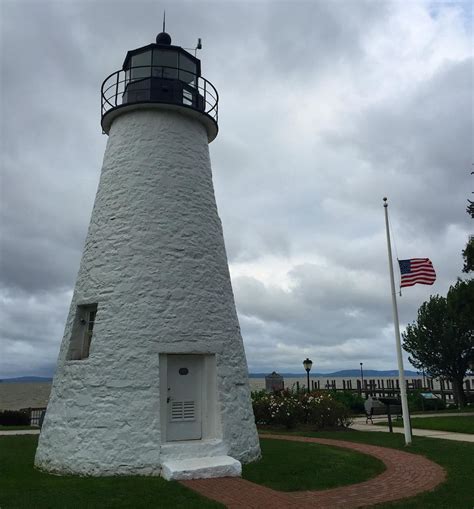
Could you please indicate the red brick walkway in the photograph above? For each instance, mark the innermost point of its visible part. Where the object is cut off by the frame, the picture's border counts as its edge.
(406, 475)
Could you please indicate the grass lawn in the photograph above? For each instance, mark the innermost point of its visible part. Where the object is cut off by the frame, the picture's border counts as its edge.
(457, 458)
(286, 466)
(466, 409)
(459, 424)
(22, 487)
(293, 466)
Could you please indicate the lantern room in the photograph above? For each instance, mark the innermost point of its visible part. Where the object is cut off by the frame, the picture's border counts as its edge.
(160, 74)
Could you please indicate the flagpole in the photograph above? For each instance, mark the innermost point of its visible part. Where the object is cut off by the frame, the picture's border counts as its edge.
(401, 373)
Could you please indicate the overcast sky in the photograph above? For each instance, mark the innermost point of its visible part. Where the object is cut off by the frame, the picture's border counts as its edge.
(325, 107)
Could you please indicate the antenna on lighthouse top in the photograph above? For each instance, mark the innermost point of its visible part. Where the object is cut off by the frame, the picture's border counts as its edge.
(164, 20)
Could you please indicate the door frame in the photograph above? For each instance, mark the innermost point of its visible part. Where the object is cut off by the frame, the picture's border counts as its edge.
(210, 416)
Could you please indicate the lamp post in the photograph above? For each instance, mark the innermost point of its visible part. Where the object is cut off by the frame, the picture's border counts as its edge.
(361, 376)
(307, 363)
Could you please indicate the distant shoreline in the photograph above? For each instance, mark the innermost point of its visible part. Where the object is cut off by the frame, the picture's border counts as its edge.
(348, 373)
(35, 393)
(26, 380)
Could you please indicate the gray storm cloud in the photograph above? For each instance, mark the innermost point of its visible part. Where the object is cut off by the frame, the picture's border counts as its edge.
(325, 107)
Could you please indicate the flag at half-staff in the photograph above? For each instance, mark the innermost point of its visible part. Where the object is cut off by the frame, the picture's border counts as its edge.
(416, 271)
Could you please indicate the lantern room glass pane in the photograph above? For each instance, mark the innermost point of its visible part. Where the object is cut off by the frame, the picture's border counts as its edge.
(187, 70)
(142, 59)
(165, 63)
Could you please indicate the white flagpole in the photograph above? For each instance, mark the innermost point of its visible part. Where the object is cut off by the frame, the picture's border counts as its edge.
(401, 373)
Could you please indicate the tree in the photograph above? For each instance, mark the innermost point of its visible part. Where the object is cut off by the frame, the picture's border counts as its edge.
(468, 255)
(470, 204)
(441, 340)
(470, 208)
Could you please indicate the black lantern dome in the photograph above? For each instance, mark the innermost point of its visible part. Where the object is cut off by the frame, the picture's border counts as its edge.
(163, 38)
(160, 75)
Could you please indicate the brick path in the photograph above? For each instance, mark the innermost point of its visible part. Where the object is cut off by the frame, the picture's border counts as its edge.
(406, 475)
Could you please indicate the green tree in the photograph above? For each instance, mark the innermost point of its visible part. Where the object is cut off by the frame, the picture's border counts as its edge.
(468, 255)
(470, 204)
(441, 340)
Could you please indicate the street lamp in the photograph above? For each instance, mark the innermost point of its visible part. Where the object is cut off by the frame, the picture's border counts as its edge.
(362, 375)
(307, 363)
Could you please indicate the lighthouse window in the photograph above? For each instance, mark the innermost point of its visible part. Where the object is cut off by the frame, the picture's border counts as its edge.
(165, 63)
(187, 70)
(82, 332)
(141, 65)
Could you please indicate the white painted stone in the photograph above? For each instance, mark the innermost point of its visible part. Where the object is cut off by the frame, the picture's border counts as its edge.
(193, 449)
(155, 263)
(201, 468)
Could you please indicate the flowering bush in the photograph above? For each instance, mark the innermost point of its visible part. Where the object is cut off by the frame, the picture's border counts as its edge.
(324, 411)
(318, 409)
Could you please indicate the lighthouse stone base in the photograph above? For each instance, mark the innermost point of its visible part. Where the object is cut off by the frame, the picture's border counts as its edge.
(155, 267)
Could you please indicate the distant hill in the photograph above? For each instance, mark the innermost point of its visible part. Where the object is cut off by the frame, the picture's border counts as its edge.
(25, 379)
(345, 373)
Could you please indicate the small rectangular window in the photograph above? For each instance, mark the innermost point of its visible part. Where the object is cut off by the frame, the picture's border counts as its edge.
(90, 320)
(82, 332)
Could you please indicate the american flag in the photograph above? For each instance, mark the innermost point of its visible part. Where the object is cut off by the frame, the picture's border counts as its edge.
(416, 270)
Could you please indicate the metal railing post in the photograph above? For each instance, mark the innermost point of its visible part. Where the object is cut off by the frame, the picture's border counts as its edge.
(116, 87)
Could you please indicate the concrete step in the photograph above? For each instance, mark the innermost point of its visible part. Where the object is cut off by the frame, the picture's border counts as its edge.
(193, 449)
(201, 468)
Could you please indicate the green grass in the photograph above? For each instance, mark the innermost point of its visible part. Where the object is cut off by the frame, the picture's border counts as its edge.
(295, 466)
(457, 458)
(22, 487)
(466, 409)
(451, 410)
(457, 424)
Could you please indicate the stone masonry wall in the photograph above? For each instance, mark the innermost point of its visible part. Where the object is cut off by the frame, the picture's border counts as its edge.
(155, 263)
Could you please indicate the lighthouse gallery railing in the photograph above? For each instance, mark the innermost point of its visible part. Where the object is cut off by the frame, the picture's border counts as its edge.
(159, 84)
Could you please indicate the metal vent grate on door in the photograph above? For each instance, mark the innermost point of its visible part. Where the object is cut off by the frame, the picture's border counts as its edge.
(183, 411)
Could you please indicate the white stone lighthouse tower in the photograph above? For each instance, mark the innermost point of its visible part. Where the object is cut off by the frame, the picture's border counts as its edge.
(152, 376)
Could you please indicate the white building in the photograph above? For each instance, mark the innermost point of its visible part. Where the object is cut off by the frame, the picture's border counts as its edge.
(152, 375)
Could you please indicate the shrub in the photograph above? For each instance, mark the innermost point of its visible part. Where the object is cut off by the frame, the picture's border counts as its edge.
(283, 408)
(261, 407)
(15, 418)
(286, 408)
(351, 400)
(324, 411)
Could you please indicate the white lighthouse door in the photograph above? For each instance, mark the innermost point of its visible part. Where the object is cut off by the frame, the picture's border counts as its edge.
(184, 397)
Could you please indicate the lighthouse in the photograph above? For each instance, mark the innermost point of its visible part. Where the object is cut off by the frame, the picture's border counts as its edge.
(152, 377)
